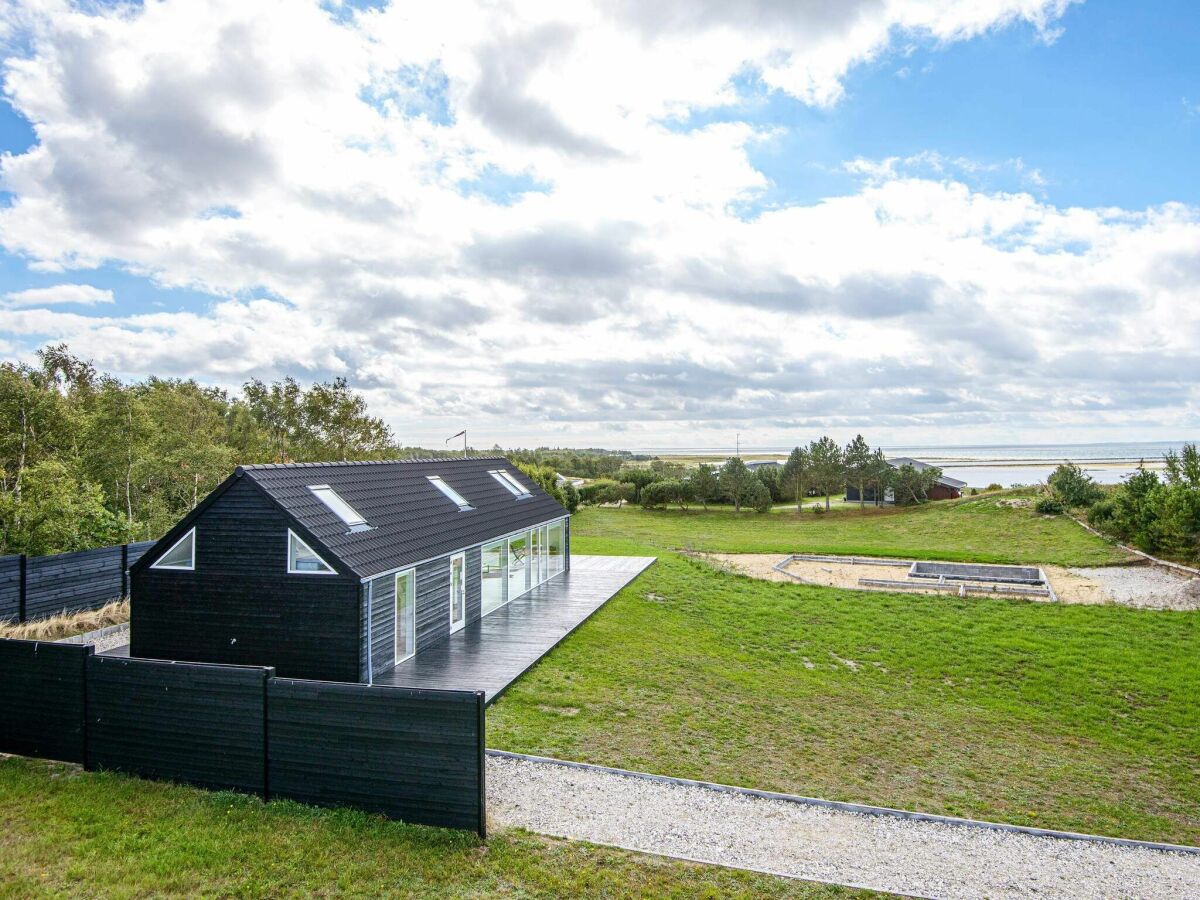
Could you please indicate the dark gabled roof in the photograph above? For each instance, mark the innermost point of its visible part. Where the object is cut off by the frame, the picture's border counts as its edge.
(897, 461)
(410, 519)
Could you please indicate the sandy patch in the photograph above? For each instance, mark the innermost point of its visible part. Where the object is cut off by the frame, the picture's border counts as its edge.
(1144, 587)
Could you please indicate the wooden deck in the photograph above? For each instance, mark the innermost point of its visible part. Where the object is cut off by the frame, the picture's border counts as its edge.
(490, 654)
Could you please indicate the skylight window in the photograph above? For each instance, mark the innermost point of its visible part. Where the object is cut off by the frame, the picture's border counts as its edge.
(339, 507)
(182, 554)
(511, 484)
(303, 560)
(450, 492)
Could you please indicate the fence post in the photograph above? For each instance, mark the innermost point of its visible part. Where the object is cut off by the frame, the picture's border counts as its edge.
(21, 590)
(124, 571)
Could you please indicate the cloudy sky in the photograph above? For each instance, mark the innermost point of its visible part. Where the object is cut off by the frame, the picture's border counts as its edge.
(623, 223)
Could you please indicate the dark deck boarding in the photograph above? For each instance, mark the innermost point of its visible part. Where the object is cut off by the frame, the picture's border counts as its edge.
(490, 654)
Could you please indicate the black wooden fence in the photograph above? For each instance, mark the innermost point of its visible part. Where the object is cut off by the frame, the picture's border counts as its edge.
(409, 754)
(36, 587)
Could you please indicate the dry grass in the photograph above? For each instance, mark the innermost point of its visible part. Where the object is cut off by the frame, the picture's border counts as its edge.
(66, 625)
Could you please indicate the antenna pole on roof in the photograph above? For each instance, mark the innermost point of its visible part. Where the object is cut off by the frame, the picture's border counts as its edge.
(462, 434)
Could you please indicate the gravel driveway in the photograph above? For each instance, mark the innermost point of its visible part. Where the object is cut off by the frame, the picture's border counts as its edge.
(904, 856)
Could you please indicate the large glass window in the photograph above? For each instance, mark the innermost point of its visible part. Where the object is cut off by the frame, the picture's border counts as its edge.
(494, 557)
(558, 536)
(303, 560)
(518, 565)
(458, 591)
(406, 615)
(544, 555)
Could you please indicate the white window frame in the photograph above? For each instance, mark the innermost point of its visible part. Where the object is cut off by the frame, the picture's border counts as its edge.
(510, 484)
(292, 536)
(450, 493)
(462, 559)
(411, 576)
(190, 567)
(337, 505)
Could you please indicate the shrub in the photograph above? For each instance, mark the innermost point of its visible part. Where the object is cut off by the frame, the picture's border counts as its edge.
(818, 509)
(1049, 506)
(1100, 513)
(993, 487)
(1073, 486)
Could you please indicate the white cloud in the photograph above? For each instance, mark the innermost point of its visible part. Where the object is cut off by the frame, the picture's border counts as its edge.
(256, 149)
(83, 294)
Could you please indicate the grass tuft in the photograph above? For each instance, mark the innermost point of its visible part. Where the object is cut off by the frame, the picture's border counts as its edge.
(68, 624)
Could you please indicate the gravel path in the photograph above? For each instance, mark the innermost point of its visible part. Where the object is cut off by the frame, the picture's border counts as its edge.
(1148, 587)
(880, 852)
(103, 639)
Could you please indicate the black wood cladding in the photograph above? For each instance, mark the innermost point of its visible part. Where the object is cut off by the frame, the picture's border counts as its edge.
(198, 724)
(42, 699)
(65, 582)
(240, 606)
(414, 755)
(409, 754)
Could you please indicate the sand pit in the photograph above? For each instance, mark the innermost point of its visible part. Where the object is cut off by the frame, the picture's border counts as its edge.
(1145, 587)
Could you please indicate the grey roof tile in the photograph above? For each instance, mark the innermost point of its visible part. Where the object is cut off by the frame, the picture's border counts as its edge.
(410, 519)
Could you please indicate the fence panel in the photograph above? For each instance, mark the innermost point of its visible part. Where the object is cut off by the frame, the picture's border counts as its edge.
(70, 582)
(200, 724)
(137, 550)
(413, 755)
(10, 588)
(42, 699)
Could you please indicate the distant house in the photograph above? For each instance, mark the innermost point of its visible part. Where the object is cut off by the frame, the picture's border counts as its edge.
(340, 571)
(947, 488)
(756, 464)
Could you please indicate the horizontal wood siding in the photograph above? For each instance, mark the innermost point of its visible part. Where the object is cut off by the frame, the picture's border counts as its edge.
(474, 584)
(70, 582)
(433, 603)
(42, 699)
(10, 588)
(204, 725)
(241, 607)
(411, 755)
(137, 550)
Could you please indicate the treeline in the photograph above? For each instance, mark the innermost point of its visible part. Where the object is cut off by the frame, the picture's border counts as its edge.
(588, 463)
(88, 460)
(821, 468)
(1156, 515)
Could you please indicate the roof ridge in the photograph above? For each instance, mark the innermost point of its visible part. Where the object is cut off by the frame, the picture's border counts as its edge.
(251, 467)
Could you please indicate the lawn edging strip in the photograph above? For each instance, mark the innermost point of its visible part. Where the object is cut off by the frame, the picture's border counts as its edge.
(860, 808)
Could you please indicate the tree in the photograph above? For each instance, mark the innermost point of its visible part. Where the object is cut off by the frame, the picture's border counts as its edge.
(859, 462)
(759, 497)
(1183, 468)
(547, 479)
(797, 476)
(879, 477)
(769, 476)
(1073, 487)
(912, 485)
(737, 483)
(638, 477)
(703, 484)
(828, 467)
(57, 513)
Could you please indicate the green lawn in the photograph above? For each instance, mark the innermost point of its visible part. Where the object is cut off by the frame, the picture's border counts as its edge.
(976, 530)
(68, 833)
(1072, 717)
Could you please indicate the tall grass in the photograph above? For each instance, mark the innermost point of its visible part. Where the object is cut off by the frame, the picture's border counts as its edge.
(64, 625)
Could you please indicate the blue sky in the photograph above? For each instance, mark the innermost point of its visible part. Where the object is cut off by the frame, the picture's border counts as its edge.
(409, 183)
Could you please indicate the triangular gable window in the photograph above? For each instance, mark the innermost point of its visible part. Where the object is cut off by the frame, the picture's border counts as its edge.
(302, 560)
(181, 556)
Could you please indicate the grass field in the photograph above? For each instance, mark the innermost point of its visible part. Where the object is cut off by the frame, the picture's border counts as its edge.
(1072, 717)
(70, 833)
(977, 530)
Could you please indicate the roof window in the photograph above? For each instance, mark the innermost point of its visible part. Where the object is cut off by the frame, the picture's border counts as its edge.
(450, 492)
(511, 484)
(339, 507)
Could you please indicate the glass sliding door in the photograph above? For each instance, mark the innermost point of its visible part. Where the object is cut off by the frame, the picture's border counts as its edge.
(518, 565)
(458, 592)
(494, 558)
(544, 556)
(557, 547)
(535, 557)
(406, 615)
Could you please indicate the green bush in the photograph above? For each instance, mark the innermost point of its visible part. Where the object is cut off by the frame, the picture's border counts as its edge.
(1050, 506)
(993, 487)
(1100, 514)
(1073, 486)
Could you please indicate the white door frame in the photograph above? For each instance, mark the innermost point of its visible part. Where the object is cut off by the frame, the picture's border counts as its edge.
(461, 559)
(411, 575)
